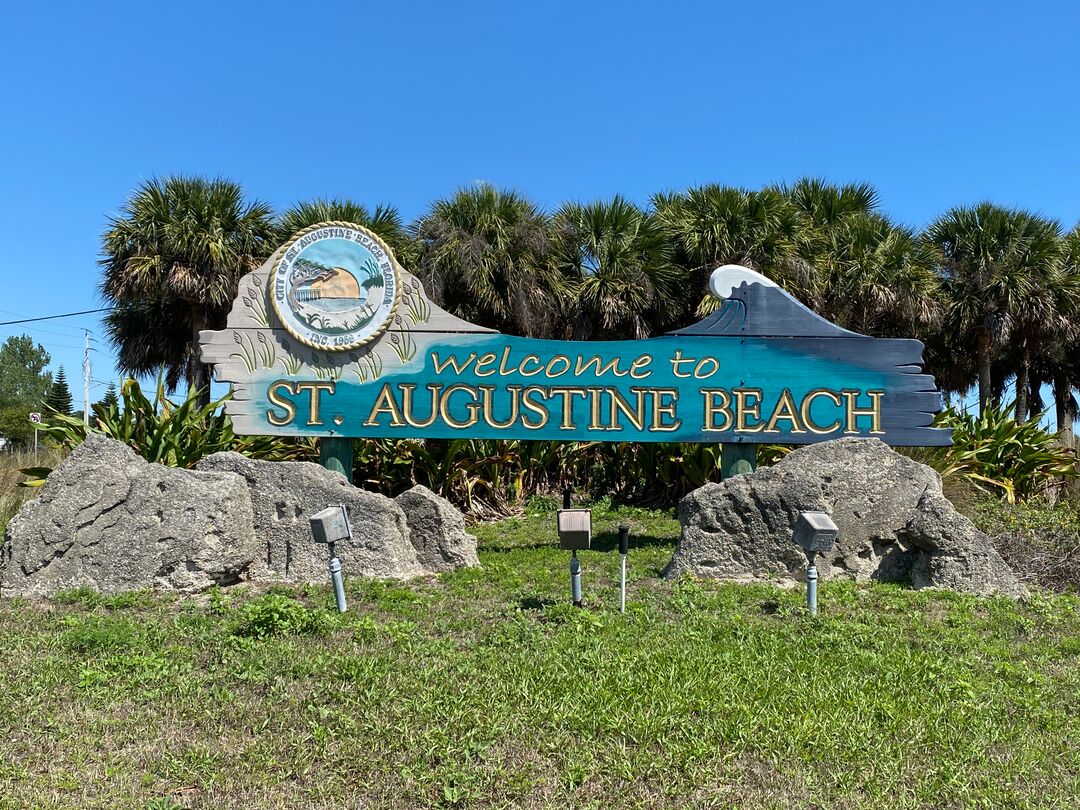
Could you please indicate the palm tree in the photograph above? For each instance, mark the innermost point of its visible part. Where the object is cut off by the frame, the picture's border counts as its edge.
(875, 277)
(997, 265)
(1061, 359)
(178, 250)
(712, 225)
(826, 205)
(617, 262)
(484, 255)
(385, 221)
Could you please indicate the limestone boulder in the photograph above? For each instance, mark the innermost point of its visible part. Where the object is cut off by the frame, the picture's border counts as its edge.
(284, 495)
(895, 525)
(437, 531)
(109, 520)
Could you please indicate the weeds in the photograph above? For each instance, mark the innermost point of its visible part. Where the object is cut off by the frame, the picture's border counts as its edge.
(485, 688)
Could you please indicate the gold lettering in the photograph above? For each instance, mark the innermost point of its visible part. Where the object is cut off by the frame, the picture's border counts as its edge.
(808, 401)
(599, 369)
(663, 409)
(874, 411)
(316, 389)
(644, 361)
(503, 370)
(714, 408)
(594, 409)
(486, 360)
(452, 360)
(536, 408)
(567, 395)
(548, 369)
(698, 374)
(488, 394)
(286, 405)
(472, 407)
(745, 408)
(678, 360)
(385, 403)
(534, 358)
(785, 409)
(407, 404)
(621, 404)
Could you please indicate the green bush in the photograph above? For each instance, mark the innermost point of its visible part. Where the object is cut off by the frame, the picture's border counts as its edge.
(275, 614)
(997, 454)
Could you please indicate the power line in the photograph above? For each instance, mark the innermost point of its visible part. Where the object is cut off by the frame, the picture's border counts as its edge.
(54, 317)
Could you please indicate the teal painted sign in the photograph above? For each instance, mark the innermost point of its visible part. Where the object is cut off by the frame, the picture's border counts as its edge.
(762, 368)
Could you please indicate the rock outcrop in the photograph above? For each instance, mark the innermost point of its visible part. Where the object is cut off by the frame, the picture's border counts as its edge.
(895, 525)
(285, 494)
(437, 531)
(109, 520)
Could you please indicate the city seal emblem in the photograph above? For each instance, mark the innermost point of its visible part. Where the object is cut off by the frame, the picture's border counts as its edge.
(335, 286)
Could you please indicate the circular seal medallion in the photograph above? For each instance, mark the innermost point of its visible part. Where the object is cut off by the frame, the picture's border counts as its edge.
(335, 286)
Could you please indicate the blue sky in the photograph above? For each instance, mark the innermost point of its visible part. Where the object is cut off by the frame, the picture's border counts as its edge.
(935, 103)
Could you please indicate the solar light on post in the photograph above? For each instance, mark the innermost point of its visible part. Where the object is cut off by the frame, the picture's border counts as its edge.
(814, 532)
(624, 547)
(575, 532)
(36, 419)
(329, 526)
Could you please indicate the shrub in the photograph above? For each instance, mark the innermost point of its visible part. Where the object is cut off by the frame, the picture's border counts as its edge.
(997, 454)
(1041, 542)
(274, 614)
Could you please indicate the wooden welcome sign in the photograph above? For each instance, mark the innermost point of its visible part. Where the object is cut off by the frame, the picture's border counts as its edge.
(331, 337)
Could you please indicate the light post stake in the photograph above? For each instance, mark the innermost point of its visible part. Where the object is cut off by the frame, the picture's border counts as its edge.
(624, 547)
(811, 582)
(575, 579)
(336, 578)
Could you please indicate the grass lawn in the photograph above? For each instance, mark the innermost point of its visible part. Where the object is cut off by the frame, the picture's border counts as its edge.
(484, 688)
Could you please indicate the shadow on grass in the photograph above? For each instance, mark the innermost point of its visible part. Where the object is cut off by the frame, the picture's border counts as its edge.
(534, 603)
(602, 542)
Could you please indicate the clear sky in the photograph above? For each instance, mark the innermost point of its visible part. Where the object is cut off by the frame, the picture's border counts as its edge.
(935, 103)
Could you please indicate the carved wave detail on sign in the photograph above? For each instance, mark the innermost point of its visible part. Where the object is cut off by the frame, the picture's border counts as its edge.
(755, 306)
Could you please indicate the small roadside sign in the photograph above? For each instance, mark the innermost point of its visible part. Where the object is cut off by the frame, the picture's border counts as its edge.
(35, 418)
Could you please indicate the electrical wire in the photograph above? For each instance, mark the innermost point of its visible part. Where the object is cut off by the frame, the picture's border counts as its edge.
(54, 317)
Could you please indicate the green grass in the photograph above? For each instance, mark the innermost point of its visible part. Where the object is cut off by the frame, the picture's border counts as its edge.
(484, 688)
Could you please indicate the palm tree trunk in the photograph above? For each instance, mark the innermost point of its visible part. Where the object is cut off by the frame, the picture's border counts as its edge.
(983, 350)
(200, 372)
(1064, 409)
(1023, 378)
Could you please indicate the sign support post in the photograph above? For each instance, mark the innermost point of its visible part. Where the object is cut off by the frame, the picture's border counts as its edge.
(736, 459)
(336, 454)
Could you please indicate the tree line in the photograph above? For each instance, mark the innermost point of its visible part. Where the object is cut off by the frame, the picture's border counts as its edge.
(993, 291)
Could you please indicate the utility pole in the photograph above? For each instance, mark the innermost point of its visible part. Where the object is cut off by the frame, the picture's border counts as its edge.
(86, 378)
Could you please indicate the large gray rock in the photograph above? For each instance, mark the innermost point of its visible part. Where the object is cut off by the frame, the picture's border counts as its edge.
(109, 520)
(285, 494)
(894, 524)
(437, 531)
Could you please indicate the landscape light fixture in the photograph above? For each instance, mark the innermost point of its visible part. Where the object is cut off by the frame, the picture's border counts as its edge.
(330, 526)
(624, 548)
(814, 532)
(575, 532)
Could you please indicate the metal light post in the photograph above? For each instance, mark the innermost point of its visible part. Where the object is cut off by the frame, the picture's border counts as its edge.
(814, 532)
(624, 547)
(575, 532)
(329, 526)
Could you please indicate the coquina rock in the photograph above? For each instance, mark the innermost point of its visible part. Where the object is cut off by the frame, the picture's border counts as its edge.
(895, 525)
(284, 495)
(437, 531)
(109, 520)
